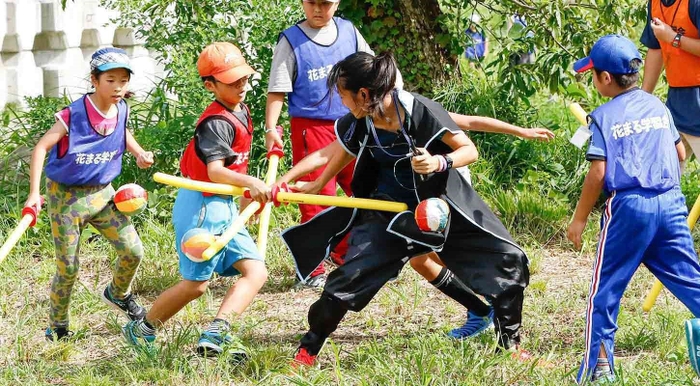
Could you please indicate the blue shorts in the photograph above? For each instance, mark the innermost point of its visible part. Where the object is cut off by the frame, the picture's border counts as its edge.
(214, 213)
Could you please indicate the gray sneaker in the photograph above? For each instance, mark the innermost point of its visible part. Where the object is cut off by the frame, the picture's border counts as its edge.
(602, 376)
(316, 282)
(126, 306)
(212, 345)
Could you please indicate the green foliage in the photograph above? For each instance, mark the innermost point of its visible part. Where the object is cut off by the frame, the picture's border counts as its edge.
(533, 186)
(559, 32)
(513, 160)
(424, 47)
(23, 130)
(177, 31)
(690, 184)
(531, 216)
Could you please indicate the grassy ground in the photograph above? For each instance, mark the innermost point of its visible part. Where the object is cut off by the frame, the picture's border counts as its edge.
(398, 339)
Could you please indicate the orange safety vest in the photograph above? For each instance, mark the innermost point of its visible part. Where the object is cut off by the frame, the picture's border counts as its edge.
(682, 67)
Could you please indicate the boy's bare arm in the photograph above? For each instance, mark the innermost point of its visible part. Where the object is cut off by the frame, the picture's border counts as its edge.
(273, 109)
(680, 149)
(217, 172)
(592, 187)
(333, 156)
(144, 158)
(665, 33)
(653, 65)
(492, 125)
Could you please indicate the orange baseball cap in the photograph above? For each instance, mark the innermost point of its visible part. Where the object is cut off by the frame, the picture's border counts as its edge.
(224, 62)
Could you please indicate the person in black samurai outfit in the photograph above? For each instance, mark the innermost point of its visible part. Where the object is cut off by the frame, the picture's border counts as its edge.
(408, 149)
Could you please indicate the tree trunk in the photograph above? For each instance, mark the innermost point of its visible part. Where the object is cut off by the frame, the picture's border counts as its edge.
(410, 29)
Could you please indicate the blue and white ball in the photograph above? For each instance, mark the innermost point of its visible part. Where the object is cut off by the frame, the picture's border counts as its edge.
(432, 215)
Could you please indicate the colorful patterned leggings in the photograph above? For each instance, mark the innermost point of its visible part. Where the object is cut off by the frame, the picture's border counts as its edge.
(71, 208)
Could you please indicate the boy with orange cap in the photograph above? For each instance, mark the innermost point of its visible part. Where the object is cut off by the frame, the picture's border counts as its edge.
(218, 152)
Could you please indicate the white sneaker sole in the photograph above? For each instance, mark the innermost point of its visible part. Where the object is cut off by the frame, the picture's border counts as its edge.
(209, 347)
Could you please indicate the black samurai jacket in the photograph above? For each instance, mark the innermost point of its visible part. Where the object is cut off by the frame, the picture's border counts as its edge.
(310, 243)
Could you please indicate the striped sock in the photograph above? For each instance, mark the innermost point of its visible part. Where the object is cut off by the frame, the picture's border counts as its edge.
(146, 328)
(218, 327)
(602, 369)
(449, 284)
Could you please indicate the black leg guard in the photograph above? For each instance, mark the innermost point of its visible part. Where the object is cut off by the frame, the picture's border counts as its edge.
(324, 316)
(508, 309)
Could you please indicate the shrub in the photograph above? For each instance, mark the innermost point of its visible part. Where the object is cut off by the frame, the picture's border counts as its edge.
(21, 130)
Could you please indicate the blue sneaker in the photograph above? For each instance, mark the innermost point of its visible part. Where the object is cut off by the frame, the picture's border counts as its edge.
(473, 326)
(133, 335)
(213, 345)
(692, 336)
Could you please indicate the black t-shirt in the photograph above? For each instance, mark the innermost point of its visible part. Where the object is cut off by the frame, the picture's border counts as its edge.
(214, 137)
(395, 173)
(428, 122)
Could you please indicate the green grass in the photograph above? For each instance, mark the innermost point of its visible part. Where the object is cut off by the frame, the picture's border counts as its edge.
(398, 340)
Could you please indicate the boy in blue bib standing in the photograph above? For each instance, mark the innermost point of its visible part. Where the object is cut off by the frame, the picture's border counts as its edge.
(302, 60)
(634, 154)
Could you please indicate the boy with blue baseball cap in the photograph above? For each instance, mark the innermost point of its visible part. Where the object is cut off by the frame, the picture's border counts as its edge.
(634, 153)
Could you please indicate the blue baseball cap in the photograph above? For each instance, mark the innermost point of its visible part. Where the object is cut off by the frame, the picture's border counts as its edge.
(109, 58)
(611, 53)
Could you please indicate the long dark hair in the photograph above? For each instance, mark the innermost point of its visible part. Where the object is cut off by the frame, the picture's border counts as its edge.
(362, 70)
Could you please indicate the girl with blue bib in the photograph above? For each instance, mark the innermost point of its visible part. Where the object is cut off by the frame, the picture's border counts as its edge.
(85, 148)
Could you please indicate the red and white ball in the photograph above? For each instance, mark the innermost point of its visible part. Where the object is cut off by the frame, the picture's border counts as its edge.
(432, 215)
(131, 199)
(194, 242)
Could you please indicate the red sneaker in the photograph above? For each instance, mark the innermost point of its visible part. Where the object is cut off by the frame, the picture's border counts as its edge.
(337, 258)
(522, 355)
(303, 358)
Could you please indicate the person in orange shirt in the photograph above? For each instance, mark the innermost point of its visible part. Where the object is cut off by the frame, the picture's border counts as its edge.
(671, 34)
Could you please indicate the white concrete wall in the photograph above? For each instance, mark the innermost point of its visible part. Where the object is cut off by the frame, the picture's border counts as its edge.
(46, 50)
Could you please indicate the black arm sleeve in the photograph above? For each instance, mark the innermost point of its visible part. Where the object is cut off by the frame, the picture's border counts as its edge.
(349, 130)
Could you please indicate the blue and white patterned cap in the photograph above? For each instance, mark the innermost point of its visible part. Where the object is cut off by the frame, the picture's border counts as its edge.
(106, 59)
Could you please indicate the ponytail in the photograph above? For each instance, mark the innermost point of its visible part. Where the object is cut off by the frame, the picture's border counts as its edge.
(362, 70)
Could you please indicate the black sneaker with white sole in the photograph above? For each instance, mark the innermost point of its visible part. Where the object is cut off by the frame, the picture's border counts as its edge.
(58, 333)
(126, 306)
